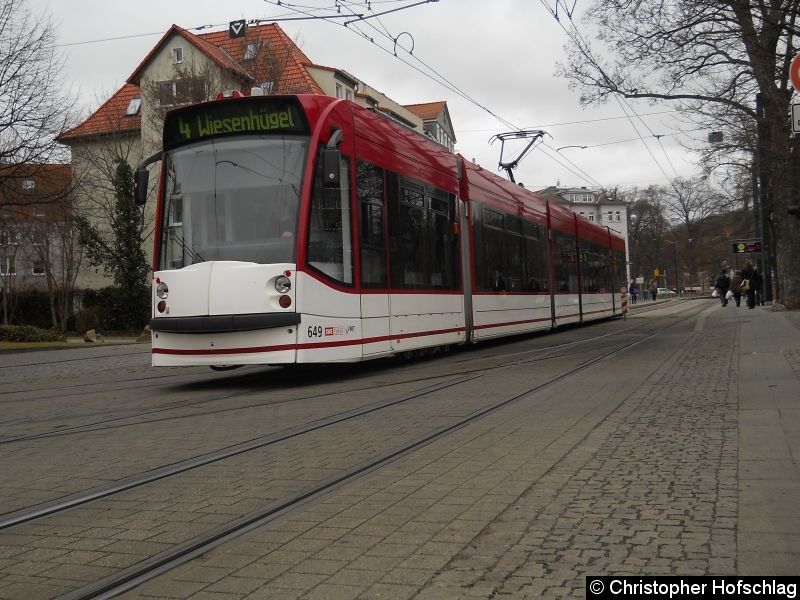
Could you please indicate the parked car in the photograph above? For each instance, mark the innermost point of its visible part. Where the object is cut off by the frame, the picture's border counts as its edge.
(665, 293)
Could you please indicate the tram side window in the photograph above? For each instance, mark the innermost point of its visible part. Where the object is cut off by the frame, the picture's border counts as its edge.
(511, 246)
(491, 268)
(535, 257)
(422, 247)
(565, 263)
(369, 188)
(330, 240)
(595, 274)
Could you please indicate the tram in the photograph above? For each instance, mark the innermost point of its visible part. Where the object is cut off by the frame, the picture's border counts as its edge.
(307, 229)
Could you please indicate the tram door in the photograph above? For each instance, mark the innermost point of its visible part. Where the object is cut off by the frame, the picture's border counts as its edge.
(372, 254)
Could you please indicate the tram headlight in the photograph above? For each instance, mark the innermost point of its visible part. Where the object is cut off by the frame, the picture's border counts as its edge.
(162, 291)
(283, 284)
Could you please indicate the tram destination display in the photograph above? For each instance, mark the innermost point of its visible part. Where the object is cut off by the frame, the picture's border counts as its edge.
(234, 117)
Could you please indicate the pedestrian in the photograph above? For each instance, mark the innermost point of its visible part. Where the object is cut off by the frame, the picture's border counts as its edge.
(653, 292)
(736, 287)
(755, 284)
(748, 283)
(722, 285)
(634, 291)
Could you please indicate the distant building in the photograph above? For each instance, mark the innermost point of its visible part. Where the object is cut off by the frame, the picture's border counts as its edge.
(183, 68)
(595, 206)
(34, 211)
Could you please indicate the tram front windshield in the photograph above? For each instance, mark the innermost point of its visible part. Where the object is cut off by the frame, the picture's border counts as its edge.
(234, 199)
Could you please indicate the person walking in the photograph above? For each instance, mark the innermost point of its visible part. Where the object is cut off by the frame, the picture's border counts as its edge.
(736, 287)
(722, 285)
(634, 292)
(748, 283)
(755, 285)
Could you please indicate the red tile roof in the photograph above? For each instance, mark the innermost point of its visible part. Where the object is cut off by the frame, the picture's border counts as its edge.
(110, 118)
(289, 66)
(429, 111)
(294, 78)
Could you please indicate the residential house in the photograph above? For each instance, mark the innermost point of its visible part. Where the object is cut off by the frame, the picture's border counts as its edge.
(35, 243)
(436, 121)
(185, 67)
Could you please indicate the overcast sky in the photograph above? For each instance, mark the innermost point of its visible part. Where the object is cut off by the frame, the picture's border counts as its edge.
(501, 54)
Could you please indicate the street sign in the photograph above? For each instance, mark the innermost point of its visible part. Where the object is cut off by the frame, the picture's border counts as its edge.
(746, 246)
(794, 72)
(237, 29)
(795, 118)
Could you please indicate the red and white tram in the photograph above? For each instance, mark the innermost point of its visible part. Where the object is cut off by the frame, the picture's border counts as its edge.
(307, 229)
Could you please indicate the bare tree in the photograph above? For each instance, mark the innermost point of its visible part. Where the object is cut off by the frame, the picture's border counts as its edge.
(34, 106)
(646, 225)
(55, 247)
(726, 60)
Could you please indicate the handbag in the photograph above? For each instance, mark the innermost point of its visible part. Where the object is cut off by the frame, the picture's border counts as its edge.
(728, 295)
(745, 285)
(715, 293)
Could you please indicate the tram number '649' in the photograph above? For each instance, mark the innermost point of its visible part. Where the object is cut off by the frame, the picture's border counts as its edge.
(315, 331)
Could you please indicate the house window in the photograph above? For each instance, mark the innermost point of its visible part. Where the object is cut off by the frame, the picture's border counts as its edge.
(251, 51)
(177, 55)
(38, 268)
(618, 216)
(133, 106)
(591, 217)
(7, 266)
(268, 87)
(28, 184)
(609, 216)
(339, 90)
(165, 91)
(348, 93)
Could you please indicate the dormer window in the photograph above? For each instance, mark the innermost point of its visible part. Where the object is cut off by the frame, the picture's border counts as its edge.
(177, 55)
(251, 51)
(28, 184)
(133, 106)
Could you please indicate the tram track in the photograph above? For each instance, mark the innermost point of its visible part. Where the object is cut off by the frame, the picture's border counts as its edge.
(163, 562)
(137, 419)
(129, 577)
(116, 420)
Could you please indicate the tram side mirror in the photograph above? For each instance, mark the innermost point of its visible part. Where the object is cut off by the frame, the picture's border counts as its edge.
(140, 180)
(331, 163)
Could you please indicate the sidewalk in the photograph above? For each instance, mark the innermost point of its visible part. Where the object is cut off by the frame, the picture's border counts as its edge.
(769, 441)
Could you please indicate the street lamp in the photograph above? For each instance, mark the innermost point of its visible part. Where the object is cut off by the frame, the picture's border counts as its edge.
(562, 147)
